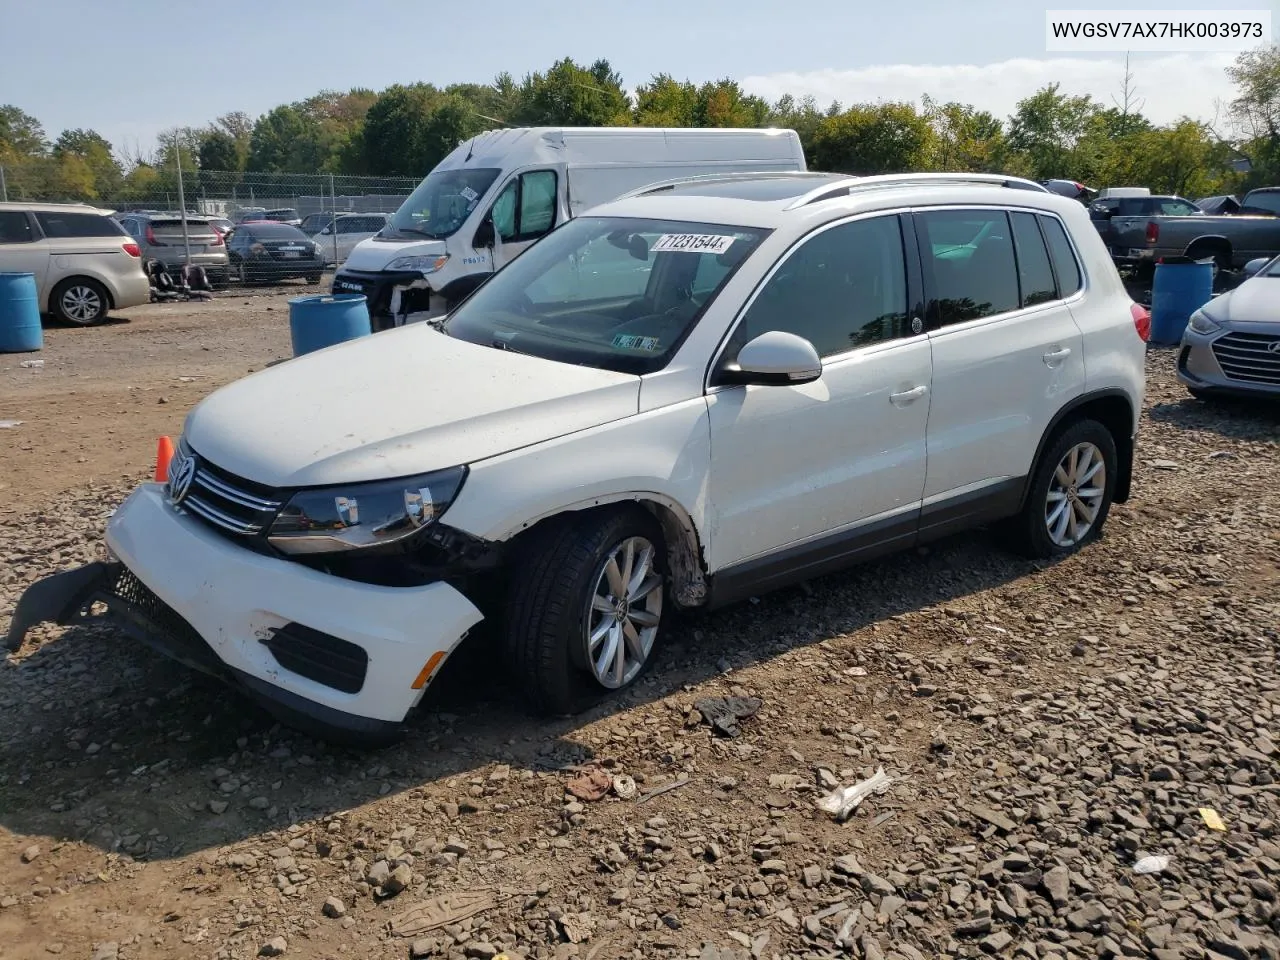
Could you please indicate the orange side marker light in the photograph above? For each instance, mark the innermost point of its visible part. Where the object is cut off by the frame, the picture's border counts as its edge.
(164, 453)
(436, 659)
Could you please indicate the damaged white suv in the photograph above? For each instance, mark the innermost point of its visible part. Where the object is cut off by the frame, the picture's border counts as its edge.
(701, 391)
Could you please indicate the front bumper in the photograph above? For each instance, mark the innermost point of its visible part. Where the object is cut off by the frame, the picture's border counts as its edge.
(394, 298)
(256, 620)
(1199, 368)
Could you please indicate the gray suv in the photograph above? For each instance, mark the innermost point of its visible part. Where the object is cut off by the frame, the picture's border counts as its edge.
(160, 238)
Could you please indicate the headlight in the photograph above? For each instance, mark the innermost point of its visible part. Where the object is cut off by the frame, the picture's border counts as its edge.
(420, 264)
(1200, 322)
(334, 519)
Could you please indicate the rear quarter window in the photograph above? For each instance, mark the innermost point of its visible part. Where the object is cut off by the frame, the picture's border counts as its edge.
(60, 225)
(1063, 256)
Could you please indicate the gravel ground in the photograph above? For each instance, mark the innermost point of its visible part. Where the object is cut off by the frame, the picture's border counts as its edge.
(1045, 729)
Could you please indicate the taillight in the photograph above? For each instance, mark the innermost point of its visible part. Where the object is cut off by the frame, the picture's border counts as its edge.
(151, 237)
(1141, 320)
(133, 250)
(217, 239)
(1153, 231)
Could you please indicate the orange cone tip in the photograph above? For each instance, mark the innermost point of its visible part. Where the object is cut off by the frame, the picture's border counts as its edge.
(164, 453)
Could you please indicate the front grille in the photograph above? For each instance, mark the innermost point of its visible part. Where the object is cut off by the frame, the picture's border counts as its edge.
(1250, 357)
(230, 503)
(319, 656)
(157, 624)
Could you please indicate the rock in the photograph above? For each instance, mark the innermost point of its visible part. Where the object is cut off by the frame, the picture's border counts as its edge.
(481, 950)
(871, 949)
(422, 947)
(773, 866)
(54, 948)
(456, 847)
(995, 818)
(378, 874)
(874, 884)
(274, 947)
(259, 803)
(399, 880)
(811, 876)
(1087, 917)
(31, 853)
(975, 927)
(996, 942)
(848, 865)
(1163, 773)
(334, 908)
(109, 950)
(218, 807)
(1057, 883)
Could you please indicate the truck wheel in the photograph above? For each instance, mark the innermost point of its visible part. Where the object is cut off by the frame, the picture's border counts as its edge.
(1070, 493)
(585, 608)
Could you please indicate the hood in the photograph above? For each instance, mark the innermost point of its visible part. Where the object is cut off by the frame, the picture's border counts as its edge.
(1256, 301)
(404, 401)
(375, 253)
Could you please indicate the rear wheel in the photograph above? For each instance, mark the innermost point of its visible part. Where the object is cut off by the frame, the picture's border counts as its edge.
(1070, 493)
(585, 609)
(313, 278)
(80, 301)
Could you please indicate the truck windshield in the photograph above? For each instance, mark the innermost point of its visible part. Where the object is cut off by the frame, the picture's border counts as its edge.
(442, 202)
(619, 294)
(1268, 200)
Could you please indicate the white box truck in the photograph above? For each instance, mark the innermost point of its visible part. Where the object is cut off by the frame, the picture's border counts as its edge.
(497, 193)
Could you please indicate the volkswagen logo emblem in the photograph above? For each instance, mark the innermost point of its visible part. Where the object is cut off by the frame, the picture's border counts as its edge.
(182, 471)
(1274, 346)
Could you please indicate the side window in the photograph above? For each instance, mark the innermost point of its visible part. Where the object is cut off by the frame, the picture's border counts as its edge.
(504, 212)
(968, 258)
(844, 288)
(60, 225)
(15, 227)
(1177, 208)
(1035, 276)
(537, 203)
(1064, 258)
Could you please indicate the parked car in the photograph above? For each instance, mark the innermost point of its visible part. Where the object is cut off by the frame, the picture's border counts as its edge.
(1230, 240)
(248, 213)
(498, 192)
(284, 215)
(222, 225)
(1103, 210)
(673, 401)
(161, 238)
(340, 237)
(1069, 188)
(313, 223)
(84, 262)
(262, 250)
(1231, 346)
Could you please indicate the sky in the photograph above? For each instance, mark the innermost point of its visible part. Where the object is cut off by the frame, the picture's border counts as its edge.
(132, 69)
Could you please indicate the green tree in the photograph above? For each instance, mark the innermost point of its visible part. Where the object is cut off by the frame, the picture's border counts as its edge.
(802, 116)
(218, 151)
(1047, 127)
(666, 102)
(1183, 158)
(394, 129)
(1255, 110)
(275, 139)
(725, 104)
(965, 139)
(21, 135)
(573, 96)
(873, 138)
(93, 151)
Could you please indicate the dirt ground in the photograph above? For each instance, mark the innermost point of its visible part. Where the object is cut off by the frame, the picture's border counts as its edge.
(1046, 728)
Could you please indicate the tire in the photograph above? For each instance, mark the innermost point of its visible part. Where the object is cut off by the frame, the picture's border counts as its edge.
(1201, 395)
(80, 301)
(1030, 532)
(314, 278)
(550, 615)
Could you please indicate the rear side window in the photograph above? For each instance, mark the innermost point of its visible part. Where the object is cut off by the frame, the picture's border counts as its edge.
(59, 225)
(1035, 276)
(1064, 258)
(969, 263)
(15, 227)
(1264, 200)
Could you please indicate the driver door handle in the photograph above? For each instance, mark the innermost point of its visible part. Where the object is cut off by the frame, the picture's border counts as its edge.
(908, 396)
(1053, 356)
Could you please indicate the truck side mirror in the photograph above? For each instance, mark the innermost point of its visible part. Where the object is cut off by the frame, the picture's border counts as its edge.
(485, 235)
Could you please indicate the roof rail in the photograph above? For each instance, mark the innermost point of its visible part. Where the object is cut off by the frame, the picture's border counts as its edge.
(661, 185)
(923, 179)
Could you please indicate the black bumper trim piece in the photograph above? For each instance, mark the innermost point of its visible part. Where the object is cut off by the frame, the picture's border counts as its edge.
(61, 598)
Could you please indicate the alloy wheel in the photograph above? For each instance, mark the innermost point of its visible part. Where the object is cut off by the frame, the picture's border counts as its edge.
(81, 303)
(1075, 496)
(624, 613)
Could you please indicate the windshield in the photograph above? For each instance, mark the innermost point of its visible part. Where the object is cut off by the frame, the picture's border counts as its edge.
(442, 202)
(1271, 269)
(270, 230)
(620, 294)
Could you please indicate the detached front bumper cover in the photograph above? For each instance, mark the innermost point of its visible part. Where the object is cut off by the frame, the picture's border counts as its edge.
(63, 598)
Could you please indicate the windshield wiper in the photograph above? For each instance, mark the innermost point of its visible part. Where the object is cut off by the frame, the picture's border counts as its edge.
(421, 233)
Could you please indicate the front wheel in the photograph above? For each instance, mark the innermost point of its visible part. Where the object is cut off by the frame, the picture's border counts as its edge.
(80, 301)
(1070, 493)
(585, 608)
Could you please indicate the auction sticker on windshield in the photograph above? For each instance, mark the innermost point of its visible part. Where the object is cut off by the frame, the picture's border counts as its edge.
(692, 243)
(468, 194)
(633, 342)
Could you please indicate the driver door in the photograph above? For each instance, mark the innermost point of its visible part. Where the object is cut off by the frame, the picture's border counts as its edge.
(524, 210)
(808, 477)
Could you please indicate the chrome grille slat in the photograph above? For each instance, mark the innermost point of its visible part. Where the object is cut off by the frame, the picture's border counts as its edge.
(1249, 357)
(207, 480)
(216, 516)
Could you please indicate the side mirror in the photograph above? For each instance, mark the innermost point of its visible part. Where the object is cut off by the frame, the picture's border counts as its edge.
(485, 235)
(1253, 267)
(327, 231)
(775, 358)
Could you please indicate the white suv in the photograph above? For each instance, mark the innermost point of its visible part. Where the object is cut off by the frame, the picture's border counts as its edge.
(692, 394)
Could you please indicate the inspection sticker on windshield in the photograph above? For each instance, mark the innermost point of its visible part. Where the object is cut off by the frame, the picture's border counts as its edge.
(468, 194)
(626, 341)
(692, 243)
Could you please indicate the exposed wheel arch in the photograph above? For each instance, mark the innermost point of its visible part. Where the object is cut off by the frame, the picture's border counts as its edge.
(1113, 410)
(1212, 246)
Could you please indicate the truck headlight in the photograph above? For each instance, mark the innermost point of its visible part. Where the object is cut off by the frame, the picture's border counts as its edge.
(362, 515)
(1201, 322)
(420, 264)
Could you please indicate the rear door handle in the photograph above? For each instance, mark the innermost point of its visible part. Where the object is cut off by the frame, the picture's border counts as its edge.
(1053, 356)
(908, 396)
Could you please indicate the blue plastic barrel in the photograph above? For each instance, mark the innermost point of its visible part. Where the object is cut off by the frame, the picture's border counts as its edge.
(1179, 290)
(320, 321)
(20, 330)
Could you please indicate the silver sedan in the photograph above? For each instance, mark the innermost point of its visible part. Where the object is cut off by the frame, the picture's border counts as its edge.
(1231, 346)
